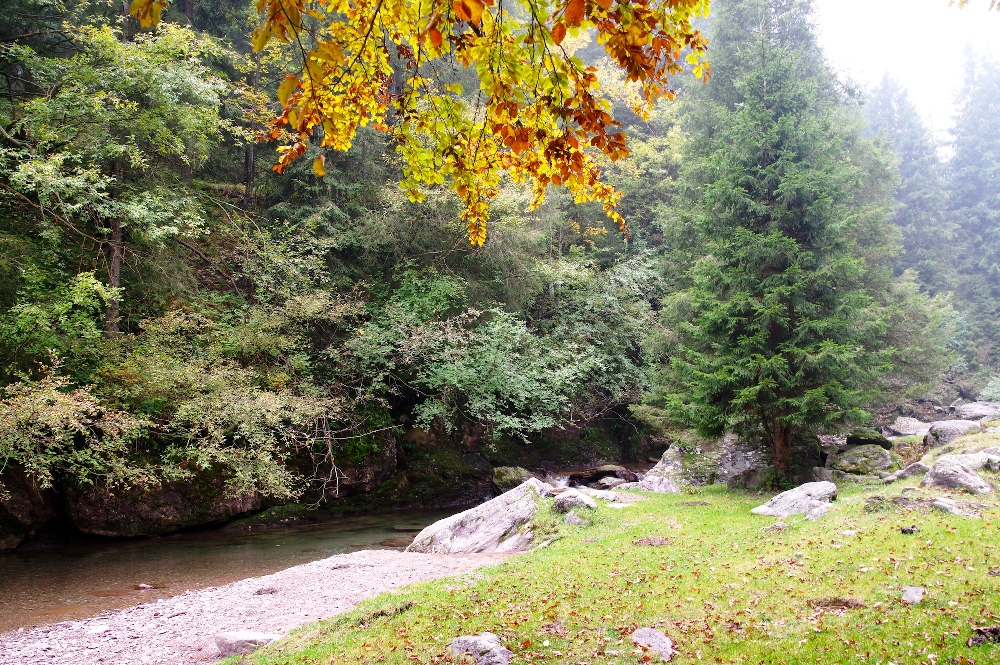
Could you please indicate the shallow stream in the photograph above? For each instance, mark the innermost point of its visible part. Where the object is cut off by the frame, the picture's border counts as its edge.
(74, 581)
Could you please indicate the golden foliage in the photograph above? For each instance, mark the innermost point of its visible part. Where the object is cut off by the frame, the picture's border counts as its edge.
(538, 114)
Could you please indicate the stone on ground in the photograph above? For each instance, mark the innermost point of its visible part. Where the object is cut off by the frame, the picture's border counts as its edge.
(800, 500)
(242, 641)
(946, 431)
(911, 470)
(958, 472)
(909, 427)
(868, 437)
(951, 506)
(499, 525)
(653, 640)
(485, 647)
(913, 594)
(863, 460)
(567, 501)
(659, 485)
(978, 411)
(575, 520)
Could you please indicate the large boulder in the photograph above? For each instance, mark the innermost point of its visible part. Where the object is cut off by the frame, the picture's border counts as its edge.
(502, 524)
(959, 472)
(157, 509)
(740, 460)
(864, 460)
(903, 426)
(24, 507)
(946, 431)
(570, 499)
(978, 411)
(751, 479)
(810, 497)
(911, 470)
(868, 437)
(659, 485)
(592, 475)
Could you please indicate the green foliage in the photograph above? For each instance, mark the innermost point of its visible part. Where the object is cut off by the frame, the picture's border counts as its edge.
(991, 393)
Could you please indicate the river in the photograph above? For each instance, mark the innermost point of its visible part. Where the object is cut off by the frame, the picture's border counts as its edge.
(78, 580)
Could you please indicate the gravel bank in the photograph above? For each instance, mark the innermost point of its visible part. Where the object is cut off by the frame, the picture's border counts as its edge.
(182, 629)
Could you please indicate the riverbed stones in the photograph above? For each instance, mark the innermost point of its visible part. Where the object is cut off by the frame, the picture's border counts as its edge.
(499, 525)
(978, 411)
(864, 460)
(904, 426)
(911, 470)
(484, 647)
(913, 595)
(801, 500)
(945, 431)
(567, 501)
(958, 472)
(242, 641)
(650, 639)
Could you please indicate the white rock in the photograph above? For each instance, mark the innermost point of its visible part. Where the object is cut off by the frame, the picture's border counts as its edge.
(802, 499)
(911, 470)
(913, 594)
(242, 641)
(499, 525)
(909, 427)
(659, 485)
(567, 501)
(951, 506)
(959, 472)
(946, 431)
(654, 640)
(485, 647)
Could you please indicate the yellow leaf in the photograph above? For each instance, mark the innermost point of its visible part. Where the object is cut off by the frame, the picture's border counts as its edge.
(319, 166)
(287, 87)
(332, 52)
(470, 11)
(454, 88)
(261, 36)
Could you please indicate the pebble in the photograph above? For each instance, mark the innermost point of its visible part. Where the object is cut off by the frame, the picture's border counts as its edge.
(913, 594)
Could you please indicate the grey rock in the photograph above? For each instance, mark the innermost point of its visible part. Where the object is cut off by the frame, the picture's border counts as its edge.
(978, 411)
(484, 647)
(802, 499)
(597, 494)
(818, 510)
(574, 520)
(610, 482)
(959, 472)
(911, 470)
(946, 431)
(659, 485)
(863, 460)
(509, 477)
(567, 501)
(951, 506)
(820, 474)
(653, 640)
(913, 594)
(242, 641)
(499, 525)
(868, 437)
(751, 479)
(671, 465)
(737, 458)
(777, 526)
(629, 486)
(909, 427)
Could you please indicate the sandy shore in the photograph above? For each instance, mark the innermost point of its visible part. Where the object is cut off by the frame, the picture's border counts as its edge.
(182, 629)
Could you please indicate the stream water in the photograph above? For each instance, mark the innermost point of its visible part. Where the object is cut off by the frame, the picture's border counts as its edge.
(74, 581)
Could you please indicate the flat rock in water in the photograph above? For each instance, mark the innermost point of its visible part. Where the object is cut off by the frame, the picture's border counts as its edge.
(499, 525)
(946, 431)
(484, 647)
(958, 472)
(242, 641)
(653, 640)
(913, 594)
(567, 501)
(801, 500)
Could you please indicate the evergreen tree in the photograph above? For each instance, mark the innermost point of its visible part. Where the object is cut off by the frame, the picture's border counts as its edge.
(921, 197)
(975, 200)
(781, 328)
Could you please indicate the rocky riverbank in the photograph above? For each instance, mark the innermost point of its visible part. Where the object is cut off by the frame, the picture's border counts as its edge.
(183, 629)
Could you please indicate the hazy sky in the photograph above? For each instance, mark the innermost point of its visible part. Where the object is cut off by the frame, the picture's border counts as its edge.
(921, 43)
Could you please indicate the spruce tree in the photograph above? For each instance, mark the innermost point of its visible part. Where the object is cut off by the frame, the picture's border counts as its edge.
(779, 331)
(921, 197)
(975, 201)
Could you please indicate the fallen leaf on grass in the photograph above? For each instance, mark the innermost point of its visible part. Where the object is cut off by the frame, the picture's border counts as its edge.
(983, 635)
(653, 541)
(836, 603)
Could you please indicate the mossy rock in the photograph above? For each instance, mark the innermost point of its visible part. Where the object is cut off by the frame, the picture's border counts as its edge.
(866, 460)
(509, 477)
(868, 437)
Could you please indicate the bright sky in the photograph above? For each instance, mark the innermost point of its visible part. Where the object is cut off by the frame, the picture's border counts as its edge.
(921, 43)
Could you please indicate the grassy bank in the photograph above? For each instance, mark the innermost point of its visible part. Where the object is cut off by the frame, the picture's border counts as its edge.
(699, 567)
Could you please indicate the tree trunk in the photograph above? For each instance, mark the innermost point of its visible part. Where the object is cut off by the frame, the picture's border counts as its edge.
(189, 11)
(111, 312)
(781, 446)
(248, 155)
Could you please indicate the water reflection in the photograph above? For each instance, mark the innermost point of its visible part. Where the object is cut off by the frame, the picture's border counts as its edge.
(77, 581)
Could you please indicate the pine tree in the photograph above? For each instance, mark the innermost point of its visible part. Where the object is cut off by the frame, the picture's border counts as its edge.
(921, 197)
(780, 329)
(975, 201)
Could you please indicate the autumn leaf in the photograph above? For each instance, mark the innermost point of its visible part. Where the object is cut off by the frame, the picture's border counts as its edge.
(287, 87)
(319, 166)
(558, 33)
(470, 11)
(604, 4)
(574, 13)
(435, 36)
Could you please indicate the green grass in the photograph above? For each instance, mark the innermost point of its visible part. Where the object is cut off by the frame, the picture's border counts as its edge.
(721, 588)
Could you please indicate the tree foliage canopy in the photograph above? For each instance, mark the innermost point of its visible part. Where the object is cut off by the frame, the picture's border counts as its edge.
(536, 113)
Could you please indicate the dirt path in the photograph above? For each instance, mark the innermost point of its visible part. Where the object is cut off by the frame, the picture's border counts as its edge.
(182, 629)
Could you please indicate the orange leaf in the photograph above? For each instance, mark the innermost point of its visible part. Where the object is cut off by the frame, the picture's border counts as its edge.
(470, 11)
(435, 36)
(558, 33)
(319, 166)
(574, 13)
(605, 4)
